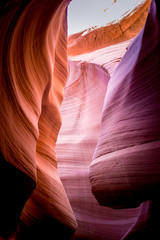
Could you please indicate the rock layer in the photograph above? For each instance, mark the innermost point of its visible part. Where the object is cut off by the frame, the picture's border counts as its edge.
(33, 72)
(81, 114)
(125, 170)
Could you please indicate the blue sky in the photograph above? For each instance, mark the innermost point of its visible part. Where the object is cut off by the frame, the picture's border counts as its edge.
(83, 14)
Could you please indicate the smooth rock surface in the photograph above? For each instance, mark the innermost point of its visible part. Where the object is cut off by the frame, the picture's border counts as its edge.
(125, 170)
(33, 72)
(36, 199)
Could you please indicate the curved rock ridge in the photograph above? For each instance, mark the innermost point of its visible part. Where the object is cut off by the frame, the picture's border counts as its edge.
(33, 72)
(107, 58)
(125, 170)
(116, 32)
(81, 116)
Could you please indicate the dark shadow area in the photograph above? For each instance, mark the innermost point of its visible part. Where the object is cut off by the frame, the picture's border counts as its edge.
(15, 188)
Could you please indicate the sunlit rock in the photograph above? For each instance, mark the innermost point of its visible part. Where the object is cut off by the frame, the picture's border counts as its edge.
(81, 118)
(125, 170)
(115, 32)
(33, 72)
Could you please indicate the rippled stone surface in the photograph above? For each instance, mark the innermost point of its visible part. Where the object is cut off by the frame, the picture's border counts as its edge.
(125, 170)
(116, 108)
(33, 72)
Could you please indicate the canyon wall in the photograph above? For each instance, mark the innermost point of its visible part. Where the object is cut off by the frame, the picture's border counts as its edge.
(81, 116)
(33, 72)
(125, 170)
(134, 217)
(107, 147)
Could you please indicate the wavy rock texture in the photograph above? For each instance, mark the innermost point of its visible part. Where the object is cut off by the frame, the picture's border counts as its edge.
(81, 110)
(33, 72)
(81, 114)
(125, 170)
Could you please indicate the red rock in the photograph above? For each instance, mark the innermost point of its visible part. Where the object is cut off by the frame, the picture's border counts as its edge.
(95, 38)
(33, 72)
(34, 204)
(125, 170)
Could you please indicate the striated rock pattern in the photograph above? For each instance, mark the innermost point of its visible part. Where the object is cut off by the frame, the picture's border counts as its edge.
(81, 115)
(107, 58)
(125, 170)
(33, 72)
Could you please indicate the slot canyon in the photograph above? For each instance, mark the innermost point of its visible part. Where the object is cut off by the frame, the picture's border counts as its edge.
(79, 124)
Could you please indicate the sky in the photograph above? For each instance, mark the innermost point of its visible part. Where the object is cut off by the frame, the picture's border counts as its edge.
(83, 14)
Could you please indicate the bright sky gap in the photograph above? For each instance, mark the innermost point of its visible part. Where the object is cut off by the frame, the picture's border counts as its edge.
(83, 14)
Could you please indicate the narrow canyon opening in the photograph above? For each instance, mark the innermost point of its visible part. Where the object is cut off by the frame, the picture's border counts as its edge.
(95, 48)
(79, 119)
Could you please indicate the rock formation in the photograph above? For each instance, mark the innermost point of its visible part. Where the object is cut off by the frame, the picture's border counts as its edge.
(33, 72)
(126, 164)
(109, 113)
